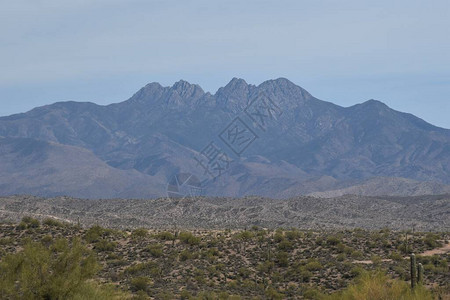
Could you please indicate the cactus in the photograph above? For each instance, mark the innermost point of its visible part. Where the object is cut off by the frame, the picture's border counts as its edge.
(413, 271)
(419, 273)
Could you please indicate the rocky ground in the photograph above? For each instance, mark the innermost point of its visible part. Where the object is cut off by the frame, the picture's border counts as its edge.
(422, 213)
(248, 264)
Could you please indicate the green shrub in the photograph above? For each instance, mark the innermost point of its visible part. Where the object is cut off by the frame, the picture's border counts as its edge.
(139, 233)
(278, 237)
(165, 236)
(333, 240)
(52, 222)
(340, 257)
(376, 260)
(144, 269)
(244, 272)
(95, 291)
(377, 286)
(305, 275)
(189, 238)
(357, 255)
(28, 222)
(155, 250)
(431, 240)
(94, 234)
(47, 240)
(396, 256)
(356, 271)
(311, 293)
(139, 284)
(273, 294)
(282, 259)
(6, 241)
(166, 295)
(185, 295)
(313, 265)
(285, 245)
(293, 234)
(39, 273)
(22, 225)
(185, 255)
(104, 246)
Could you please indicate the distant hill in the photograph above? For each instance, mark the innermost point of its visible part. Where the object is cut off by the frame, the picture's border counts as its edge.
(292, 143)
(400, 213)
(45, 168)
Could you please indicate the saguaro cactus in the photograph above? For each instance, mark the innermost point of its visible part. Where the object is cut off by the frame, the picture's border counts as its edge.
(419, 273)
(413, 271)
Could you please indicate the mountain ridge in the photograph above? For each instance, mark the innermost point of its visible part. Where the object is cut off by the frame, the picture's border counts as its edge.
(313, 137)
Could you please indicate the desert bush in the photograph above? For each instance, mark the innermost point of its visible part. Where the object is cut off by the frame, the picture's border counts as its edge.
(293, 234)
(94, 234)
(356, 271)
(244, 272)
(28, 222)
(95, 291)
(185, 295)
(47, 240)
(52, 222)
(377, 286)
(155, 250)
(22, 225)
(305, 275)
(185, 255)
(143, 269)
(244, 235)
(396, 256)
(376, 260)
(313, 265)
(189, 238)
(41, 273)
(166, 295)
(165, 236)
(357, 255)
(333, 240)
(340, 257)
(104, 246)
(282, 259)
(6, 241)
(139, 283)
(278, 237)
(139, 233)
(273, 294)
(431, 240)
(285, 245)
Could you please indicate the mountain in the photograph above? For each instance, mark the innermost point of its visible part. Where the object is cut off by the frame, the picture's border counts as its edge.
(44, 168)
(387, 186)
(278, 141)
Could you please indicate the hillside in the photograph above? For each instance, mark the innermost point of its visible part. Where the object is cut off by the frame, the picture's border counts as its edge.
(403, 213)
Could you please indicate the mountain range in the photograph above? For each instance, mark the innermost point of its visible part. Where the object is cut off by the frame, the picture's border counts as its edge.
(274, 140)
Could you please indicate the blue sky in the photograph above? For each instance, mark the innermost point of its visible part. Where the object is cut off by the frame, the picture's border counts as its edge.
(345, 52)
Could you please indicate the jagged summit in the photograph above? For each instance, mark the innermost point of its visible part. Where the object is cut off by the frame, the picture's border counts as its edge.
(235, 86)
(186, 90)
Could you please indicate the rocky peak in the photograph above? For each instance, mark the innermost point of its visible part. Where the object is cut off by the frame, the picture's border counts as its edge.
(187, 90)
(283, 86)
(234, 95)
(236, 84)
(148, 93)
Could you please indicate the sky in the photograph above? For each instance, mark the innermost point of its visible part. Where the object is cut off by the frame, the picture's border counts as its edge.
(345, 52)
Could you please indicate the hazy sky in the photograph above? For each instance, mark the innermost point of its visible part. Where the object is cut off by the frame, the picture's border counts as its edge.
(341, 51)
